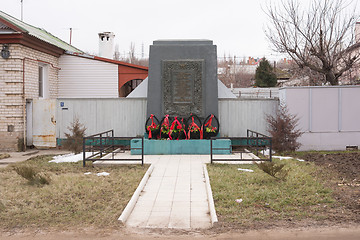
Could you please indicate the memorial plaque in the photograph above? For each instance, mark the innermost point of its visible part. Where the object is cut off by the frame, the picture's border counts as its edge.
(182, 87)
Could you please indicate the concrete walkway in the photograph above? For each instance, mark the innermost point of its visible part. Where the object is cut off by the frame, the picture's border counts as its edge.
(175, 194)
(23, 156)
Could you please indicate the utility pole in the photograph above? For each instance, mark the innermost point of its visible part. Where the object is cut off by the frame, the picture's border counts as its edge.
(234, 73)
(142, 50)
(21, 10)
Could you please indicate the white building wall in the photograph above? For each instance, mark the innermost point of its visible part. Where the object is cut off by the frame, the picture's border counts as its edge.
(328, 116)
(81, 77)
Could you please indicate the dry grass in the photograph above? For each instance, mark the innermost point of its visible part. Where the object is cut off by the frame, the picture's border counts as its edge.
(4, 155)
(267, 200)
(33, 177)
(72, 199)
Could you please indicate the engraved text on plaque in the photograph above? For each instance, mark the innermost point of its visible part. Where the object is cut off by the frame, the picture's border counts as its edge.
(182, 87)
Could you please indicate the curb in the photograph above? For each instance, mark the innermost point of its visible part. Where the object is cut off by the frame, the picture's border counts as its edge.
(254, 157)
(131, 204)
(212, 210)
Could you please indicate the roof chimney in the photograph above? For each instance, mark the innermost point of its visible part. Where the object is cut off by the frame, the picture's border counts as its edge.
(106, 44)
(357, 32)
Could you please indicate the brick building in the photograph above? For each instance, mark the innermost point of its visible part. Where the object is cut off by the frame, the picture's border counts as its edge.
(35, 69)
(28, 71)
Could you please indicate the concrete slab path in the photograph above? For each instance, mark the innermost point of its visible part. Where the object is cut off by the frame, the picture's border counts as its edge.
(23, 156)
(174, 196)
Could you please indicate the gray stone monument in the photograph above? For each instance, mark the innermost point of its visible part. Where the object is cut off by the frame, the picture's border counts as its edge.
(182, 78)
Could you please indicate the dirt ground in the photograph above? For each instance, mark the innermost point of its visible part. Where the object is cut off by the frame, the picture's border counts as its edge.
(343, 220)
(346, 185)
(346, 164)
(309, 233)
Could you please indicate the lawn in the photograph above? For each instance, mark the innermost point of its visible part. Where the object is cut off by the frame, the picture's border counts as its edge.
(72, 199)
(266, 200)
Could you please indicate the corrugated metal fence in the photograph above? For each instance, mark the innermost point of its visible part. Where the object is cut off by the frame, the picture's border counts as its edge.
(127, 116)
(238, 115)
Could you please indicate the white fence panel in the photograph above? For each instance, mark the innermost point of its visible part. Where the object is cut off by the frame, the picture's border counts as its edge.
(125, 116)
(329, 116)
(238, 115)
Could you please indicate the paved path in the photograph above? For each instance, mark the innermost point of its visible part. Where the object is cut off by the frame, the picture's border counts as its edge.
(175, 194)
(23, 156)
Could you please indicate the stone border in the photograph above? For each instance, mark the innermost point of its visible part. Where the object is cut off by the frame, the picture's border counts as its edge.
(212, 210)
(131, 204)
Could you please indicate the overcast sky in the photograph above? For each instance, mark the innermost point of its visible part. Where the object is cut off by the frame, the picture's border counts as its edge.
(235, 26)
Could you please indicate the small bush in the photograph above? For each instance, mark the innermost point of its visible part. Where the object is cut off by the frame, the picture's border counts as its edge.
(20, 145)
(2, 206)
(283, 130)
(4, 155)
(26, 172)
(74, 139)
(275, 170)
(33, 177)
(43, 179)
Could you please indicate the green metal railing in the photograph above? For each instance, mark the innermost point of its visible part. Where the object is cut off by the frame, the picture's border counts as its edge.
(253, 141)
(105, 144)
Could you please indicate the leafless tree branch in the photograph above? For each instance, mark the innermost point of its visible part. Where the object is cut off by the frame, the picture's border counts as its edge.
(320, 37)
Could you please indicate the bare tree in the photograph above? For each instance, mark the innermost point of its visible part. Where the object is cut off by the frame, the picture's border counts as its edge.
(132, 52)
(244, 79)
(320, 38)
(130, 56)
(232, 73)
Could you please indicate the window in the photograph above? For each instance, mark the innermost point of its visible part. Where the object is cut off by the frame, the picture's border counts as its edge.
(41, 81)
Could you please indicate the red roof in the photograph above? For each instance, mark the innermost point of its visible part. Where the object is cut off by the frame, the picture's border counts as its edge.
(110, 61)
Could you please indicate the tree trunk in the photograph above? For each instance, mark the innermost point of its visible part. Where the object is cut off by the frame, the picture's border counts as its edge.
(331, 78)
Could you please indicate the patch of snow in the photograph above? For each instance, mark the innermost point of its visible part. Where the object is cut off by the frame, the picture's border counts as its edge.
(282, 158)
(71, 157)
(245, 170)
(98, 174)
(266, 152)
(103, 174)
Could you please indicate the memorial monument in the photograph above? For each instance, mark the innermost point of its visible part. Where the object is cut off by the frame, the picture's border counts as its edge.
(182, 81)
(182, 78)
